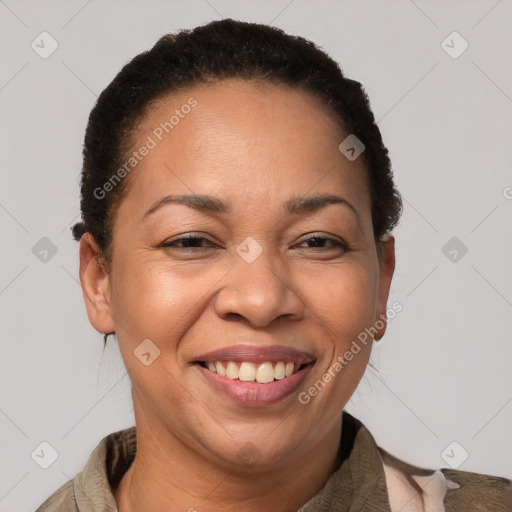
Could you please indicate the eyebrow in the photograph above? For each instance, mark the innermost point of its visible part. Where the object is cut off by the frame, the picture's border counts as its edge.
(299, 205)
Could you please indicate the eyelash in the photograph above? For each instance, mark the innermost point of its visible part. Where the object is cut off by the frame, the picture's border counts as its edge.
(170, 244)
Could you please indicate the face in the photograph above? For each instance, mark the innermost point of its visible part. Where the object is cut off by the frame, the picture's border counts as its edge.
(274, 285)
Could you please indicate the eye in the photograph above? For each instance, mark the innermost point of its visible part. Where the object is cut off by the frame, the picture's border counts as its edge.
(190, 242)
(194, 242)
(319, 242)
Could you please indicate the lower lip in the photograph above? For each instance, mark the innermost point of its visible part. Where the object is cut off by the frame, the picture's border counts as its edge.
(252, 393)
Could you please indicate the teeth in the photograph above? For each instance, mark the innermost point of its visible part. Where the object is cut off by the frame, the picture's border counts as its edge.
(265, 373)
(220, 369)
(249, 372)
(232, 371)
(279, 371)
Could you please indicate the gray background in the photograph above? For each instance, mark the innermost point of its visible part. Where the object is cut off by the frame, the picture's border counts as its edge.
(444, 366)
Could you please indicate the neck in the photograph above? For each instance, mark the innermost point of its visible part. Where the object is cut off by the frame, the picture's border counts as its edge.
(168, 475)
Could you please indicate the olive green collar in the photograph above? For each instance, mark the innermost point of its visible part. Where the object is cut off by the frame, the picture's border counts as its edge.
(358, 484)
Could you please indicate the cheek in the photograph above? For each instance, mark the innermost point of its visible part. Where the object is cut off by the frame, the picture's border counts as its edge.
(158, 301)
(350, 299)
(152, 302)
(349, 302)
(345, 304)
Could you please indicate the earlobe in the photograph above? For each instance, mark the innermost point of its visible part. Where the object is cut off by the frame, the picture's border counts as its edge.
(387, 268)
(95, 281)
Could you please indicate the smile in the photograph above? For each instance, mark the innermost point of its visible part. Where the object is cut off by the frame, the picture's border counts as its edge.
(253, 375)
(246, 371)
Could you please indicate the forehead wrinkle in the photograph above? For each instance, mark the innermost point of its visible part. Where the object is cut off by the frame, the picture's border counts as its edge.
(296, 206)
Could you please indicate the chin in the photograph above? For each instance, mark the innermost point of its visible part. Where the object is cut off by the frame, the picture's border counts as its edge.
(256, 454)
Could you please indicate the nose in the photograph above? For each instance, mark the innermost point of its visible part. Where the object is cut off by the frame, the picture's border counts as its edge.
(259, 292)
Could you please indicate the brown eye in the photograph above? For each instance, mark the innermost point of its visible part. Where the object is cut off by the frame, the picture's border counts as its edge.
(319, 242)
(188, 242)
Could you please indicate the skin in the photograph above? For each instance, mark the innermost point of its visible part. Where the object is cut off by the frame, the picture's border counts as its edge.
(254, 146)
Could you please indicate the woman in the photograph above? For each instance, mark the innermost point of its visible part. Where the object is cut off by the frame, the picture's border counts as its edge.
(237, 208)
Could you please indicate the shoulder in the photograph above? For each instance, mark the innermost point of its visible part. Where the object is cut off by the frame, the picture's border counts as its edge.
(478, 492)
(62, 500)
(412, 488)
(103, 470)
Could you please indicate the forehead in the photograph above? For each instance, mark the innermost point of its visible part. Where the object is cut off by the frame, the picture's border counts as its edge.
(235, 138)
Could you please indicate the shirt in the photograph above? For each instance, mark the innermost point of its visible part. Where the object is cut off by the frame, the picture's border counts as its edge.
(367, 479)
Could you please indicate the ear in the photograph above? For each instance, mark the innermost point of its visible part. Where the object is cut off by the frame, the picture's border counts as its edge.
(95, 281)
(387, 268)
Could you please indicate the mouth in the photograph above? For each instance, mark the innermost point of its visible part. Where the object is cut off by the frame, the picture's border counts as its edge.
(253, 375)
(247, 371)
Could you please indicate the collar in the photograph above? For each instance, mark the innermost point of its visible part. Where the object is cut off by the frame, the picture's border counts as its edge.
(367, 477)
(359, 482)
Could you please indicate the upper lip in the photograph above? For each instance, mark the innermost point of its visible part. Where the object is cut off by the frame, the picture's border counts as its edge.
(257, 354)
